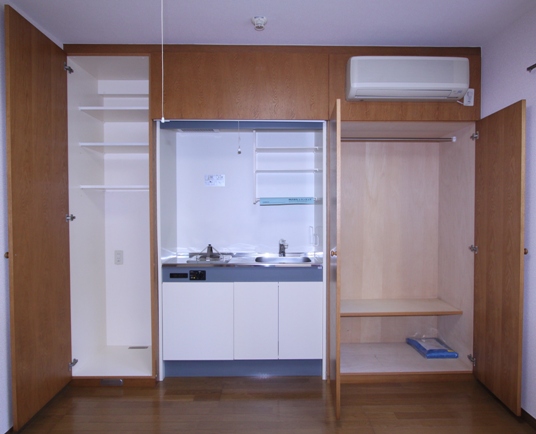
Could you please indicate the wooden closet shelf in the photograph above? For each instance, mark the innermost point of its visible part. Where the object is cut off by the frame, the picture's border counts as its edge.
(397, 307)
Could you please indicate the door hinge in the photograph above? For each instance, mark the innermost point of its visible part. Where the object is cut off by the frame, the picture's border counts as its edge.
(68, 68)
(74, 362)
(473, 249)
(69, 217)
(475, 136)
(472, 359)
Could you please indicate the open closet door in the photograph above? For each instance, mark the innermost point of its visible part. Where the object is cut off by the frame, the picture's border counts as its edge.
(36, 103)
(499, 237)
(334, 346)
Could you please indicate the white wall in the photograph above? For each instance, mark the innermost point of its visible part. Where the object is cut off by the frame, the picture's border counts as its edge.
(5, 373)
(505, 80)
(226, 216)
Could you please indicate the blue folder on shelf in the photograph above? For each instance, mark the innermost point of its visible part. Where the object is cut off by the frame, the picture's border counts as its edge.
(286, 201)
(432, 348)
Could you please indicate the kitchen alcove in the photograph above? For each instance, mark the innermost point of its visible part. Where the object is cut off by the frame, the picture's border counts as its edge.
(240, 186)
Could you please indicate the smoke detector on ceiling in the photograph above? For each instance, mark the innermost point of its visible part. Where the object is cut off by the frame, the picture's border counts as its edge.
(259, 22)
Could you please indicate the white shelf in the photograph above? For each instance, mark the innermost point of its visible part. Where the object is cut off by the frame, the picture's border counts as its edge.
(111, 361)
(116, 187)
(385, 358)
(287, 150)
(117, 148)
(398, 307)
(123, 95)
(118, 114)
(287, 170)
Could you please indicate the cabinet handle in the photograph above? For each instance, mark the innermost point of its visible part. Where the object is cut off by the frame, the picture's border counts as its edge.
(333, 253)
(526, 251)
(6, 255)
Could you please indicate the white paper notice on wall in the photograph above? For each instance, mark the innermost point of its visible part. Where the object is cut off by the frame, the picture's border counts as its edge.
(215, 180)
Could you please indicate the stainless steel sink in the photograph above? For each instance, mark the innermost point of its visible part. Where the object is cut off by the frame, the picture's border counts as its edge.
(282, 259)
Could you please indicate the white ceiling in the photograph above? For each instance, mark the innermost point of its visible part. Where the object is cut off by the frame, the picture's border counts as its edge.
(290, 22)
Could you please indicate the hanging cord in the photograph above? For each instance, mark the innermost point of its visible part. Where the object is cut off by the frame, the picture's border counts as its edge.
(162, 53)
(239, 150)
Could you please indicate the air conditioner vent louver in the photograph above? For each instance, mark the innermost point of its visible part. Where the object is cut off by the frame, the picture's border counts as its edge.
(403, 78)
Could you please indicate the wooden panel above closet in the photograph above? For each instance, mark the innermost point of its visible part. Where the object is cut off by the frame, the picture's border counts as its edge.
(253, 83)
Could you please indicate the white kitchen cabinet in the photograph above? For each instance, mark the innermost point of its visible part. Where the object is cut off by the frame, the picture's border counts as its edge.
(197, 321)
(255, 320)
(242, 320)
(108, 128)
(300, 320)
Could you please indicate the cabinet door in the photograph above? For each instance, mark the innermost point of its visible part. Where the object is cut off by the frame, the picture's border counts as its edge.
(241, 83)
(334, 299)
(300, 320)
(255, 320)
(197, 321)
(36, 103)
(499, 236)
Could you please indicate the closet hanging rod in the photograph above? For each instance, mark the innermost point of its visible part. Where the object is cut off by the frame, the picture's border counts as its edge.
(398, 139)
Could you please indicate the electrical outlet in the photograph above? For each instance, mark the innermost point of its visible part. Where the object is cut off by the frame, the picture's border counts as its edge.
(118, 257)
(469, 98)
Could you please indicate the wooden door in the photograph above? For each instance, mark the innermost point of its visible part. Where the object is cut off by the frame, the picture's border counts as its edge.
(499, 236)
(36, 103)
(334, 319)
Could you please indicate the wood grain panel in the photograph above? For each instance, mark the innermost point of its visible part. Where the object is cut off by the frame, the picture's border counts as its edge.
(389, 217)
(36, 88)
(385, 329)
(403, 111)
(456, 234)
(499, 264)
(334, 236)
(240, 85)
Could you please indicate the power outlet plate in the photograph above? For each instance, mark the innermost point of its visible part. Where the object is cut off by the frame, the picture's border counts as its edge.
(469, 98)
(215, 180)
(118, 257)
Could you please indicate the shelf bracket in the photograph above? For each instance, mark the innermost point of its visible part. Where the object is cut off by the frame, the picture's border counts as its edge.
(68, 68)
(71, 364)
(472, 359)
(473, 249)
(475, 136)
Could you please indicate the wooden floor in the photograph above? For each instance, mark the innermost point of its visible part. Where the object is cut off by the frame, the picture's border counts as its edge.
(276, 405)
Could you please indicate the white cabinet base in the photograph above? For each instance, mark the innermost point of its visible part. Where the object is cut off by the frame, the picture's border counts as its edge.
(255, 320)
(197, 321)
(300, 320)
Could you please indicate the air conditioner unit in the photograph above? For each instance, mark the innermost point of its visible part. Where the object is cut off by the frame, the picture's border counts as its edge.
(403, 78)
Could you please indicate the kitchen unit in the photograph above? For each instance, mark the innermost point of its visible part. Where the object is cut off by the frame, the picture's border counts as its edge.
(425, 213)
(238, 318)
(250, 188)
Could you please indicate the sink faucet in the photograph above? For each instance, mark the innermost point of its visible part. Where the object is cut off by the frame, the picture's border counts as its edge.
(282, 246)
